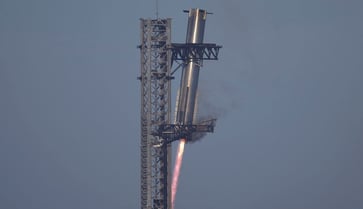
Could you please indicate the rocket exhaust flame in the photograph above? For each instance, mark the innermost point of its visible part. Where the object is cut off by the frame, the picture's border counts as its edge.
(178, 163)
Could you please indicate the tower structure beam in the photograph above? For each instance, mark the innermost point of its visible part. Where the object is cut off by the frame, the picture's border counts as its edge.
(155, 112)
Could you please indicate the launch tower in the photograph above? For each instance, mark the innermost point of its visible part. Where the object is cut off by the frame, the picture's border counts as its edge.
(157, 131)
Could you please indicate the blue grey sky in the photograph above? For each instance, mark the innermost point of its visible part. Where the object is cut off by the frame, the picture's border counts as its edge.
(287, 89)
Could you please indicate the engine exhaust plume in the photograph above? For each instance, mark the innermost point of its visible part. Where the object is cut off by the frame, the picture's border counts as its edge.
(178, 163)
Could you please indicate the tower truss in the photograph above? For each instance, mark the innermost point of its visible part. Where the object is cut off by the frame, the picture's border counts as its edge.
(155, 76)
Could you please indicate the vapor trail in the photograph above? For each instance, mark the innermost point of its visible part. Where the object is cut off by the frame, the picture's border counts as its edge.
(178, 163)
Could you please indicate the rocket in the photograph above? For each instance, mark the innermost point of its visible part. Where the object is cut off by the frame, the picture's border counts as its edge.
(186, 101)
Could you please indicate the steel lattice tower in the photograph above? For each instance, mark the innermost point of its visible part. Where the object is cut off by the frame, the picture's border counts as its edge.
(157, 132)
(155, 112)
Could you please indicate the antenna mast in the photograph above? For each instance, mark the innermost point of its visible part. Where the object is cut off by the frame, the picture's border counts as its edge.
(157, 8)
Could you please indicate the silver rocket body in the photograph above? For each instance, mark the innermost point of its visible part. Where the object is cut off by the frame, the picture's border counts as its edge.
(186, 102)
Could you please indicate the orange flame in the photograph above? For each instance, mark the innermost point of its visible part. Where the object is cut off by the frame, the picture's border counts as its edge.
(178, 163)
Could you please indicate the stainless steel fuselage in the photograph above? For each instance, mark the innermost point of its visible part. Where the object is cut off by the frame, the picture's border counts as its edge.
(190, 74)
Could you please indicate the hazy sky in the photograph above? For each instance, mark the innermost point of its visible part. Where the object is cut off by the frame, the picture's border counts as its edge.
(287, 89)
